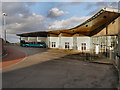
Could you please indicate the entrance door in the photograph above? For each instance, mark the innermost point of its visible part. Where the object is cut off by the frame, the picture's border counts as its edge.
(83, 46)
(53, 44)
(67, 45)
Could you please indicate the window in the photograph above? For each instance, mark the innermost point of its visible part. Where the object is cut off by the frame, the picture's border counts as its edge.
(53, 44)
(40, 43)
(26, 42)
(22, 41)
(33, 42)
(83, 46)
(67, 45)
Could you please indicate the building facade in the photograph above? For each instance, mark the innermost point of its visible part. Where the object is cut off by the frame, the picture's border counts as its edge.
(99, 34)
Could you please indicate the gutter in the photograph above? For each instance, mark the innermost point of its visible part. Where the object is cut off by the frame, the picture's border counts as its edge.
(109, 9)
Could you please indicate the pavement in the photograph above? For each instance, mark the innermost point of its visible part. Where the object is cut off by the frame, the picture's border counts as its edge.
(103, 61)
(13, 56)
(52, 68)
(108, 61)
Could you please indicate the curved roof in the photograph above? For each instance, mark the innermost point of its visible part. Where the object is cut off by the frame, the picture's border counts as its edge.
(90, 27)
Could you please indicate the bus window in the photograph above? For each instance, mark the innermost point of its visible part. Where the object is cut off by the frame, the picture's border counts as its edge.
(26, 42)
(23, 42)
(41, 43)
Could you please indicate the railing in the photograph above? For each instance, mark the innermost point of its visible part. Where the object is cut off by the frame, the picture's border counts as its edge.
(118, 62)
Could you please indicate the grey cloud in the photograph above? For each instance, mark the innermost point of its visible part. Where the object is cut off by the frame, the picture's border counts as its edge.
(30, 3)
(12, 38)
(55, 12)
(20, 19)
(93, 12)
(66, 4)
(119, 5)
(100, 5)
(13, 8)
(68, 23)
(107, 4)
(31, 23)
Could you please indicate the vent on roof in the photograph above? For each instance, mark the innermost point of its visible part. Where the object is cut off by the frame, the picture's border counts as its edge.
(86, 25)
(104, 17)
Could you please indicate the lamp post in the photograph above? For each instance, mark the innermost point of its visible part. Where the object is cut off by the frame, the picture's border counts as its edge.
(4, 21)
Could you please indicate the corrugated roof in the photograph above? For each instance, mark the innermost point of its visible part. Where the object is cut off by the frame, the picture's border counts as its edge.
(89, 27)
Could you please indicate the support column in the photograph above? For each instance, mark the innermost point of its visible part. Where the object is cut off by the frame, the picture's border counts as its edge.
(48, 41)
(119, 50)
(20, 38)
(37, 39)
(28, 38)
(106, 41)
(59, 41)
(75, 43)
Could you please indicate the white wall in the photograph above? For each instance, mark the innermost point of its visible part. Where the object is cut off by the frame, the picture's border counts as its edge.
(24, 38)
(66, 39)
(75, 43)
(81, 40)
(53, 39)
(32, 38)
(44, 39)
(60, 41)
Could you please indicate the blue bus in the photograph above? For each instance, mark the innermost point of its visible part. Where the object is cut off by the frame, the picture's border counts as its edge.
(23, 43)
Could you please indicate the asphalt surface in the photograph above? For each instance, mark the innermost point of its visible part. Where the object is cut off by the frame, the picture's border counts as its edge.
(50, 68)
(13, 56)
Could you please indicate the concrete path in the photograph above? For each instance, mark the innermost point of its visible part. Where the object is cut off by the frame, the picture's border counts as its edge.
(103, 61)
(50, 68)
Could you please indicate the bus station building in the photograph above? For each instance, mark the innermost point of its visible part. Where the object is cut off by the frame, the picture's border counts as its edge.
(99, 34)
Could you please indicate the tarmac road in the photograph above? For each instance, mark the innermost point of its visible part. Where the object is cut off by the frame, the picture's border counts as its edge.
(51, 68)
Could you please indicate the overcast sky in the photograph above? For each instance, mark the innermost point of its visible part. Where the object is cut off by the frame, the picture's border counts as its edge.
(39, 16)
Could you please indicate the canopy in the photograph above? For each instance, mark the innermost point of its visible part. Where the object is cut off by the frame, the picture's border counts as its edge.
(88, 28)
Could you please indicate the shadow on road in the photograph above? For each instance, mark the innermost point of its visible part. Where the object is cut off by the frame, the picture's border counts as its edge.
(62, 72)
(17, 52)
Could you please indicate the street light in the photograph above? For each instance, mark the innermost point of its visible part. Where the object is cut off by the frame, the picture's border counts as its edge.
(4, 15)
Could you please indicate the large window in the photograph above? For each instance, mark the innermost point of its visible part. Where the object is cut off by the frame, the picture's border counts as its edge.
(53, 44)
(67, 45)
(22, 41)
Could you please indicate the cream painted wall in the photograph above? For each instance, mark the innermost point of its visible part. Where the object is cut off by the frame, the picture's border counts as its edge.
(42, 39)
(66, 39)
(24, 38)
(70, 40)
(81, 40)
(32, 38)
(113, 28)
(53, 39)
(75, 43)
